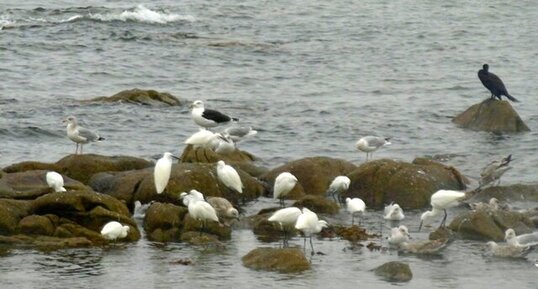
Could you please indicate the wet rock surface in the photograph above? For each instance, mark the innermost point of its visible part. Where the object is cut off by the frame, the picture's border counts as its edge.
(141, 96)
(394, 272)
(285, 260)
(493, 116)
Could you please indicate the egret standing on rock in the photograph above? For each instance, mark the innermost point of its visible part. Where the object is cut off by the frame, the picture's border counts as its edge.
(355, 206)
(55, 181)
(79, 134)
(493, 83)
(202, 211)
(286, 218)
(207, 118)
(284, 183)
(369, 144)
(162, 170)
(440, 201)
(339, 185)
(229, 177)
(309, 224)
(114, 230)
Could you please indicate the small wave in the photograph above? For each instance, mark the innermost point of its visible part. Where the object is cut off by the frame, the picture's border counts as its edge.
(142, 14)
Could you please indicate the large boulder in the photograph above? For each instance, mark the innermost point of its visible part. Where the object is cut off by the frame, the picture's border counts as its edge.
(493, 116)
(318, 204)
(285, 260)
(140, 96)
(380, 182)
(394, 271)
(163, 222)
(511, 193)
(11, 213)
(31, 184)
(205, 155)
(31, 166)
(314, 175)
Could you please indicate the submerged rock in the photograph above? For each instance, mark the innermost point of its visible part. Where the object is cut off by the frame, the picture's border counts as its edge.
(493, 116)
(314, 175)
(140, 96)
(394, 271)
(285, 260)
(380, 182)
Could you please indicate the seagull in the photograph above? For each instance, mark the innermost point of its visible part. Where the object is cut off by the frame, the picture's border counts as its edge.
(393, 212)
(507, 250)
(225, 210)
(229, 177)
(79, 134)
(494, 84)
(339, 185)
(494, 170)
(398, 235)
(355, 206)
(286, 217)
(207, 118)
(525, 240)
(492, 205)
(284, 183)
(140, 209)
(223, 144)
(162, 170)
(202, 211)
(369, 144)
(114, 230)
(238, 133)
(423, 246)
(55, 181)
(309, 224)
(440, 201)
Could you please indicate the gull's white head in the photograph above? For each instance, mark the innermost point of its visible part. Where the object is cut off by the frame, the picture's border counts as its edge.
(197, 104)
(70, 120)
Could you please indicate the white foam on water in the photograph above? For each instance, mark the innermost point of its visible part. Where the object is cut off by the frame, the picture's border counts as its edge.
(142, 14)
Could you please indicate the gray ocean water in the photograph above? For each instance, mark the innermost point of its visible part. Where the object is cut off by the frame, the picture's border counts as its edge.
(311, 76)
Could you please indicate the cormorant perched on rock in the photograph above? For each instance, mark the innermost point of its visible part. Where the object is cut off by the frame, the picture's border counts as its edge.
(494, 84)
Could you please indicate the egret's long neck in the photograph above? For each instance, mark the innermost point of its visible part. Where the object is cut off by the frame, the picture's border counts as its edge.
(436, 212)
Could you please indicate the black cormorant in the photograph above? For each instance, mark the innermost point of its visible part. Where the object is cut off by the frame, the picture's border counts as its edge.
(494, 84)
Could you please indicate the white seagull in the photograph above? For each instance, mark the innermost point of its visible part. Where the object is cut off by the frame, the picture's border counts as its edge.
(162, 170)
(393, 212)
(286, 218)
(223, 144)
(369, 144)
(440, 201)
(238, 133)
(229, 177)
(79, 134)
(339, 185)
(398, 235)
(507, 250)
(355, 206)
(202, 211)
(225, 210)
(55, 181)
(284, 183)
(524, 240)
(207, 118)
(114, 230)
(309, 224)
(493, 171)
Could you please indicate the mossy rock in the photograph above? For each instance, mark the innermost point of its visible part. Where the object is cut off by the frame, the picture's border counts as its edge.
(163, 222)
(197, 238)
(140, 96)
(380, 182)
(211, 227)
(83, 167)
(517, 192)
(394, 272)
(37, 225)
(314, 175)
(31, 184)
(31, 166)
(11, 212)
(268, 231)
(284, 260)
(45, 243)
(492, 116)
(317, 204)
(204, 155)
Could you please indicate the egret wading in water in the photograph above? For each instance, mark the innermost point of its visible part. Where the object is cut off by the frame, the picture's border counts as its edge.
(286, 218)
(284, 183)
(202, 211)
(55, 181)
(494, 84)
(207, 118)
(440, 201)
(369, 144)
(339, 185)
(79, 134)
(114, 230)
(309, 224)
(355, 206)
(162, 170)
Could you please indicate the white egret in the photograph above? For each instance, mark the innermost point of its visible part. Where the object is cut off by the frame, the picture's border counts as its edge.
(202, 138)
(55, 181)
(225, 210)
(284, 183)
(191, 195)
(309, 224)
(339, 185)
(530, 239)
(79, 134)
(369, 144)
(202, 211)
(114, 230)
(286, 218)
(229, 177)
(207, 118)
(355, 206)
(440, 201)
(393, 212)
(162, 170)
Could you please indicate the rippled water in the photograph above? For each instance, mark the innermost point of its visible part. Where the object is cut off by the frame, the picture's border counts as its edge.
(310, 76)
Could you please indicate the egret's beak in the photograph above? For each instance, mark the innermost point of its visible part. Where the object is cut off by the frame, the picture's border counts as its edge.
(175, 157)
(420, 226)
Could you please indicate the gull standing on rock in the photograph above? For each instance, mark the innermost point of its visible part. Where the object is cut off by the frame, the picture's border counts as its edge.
(440, 201)
(55, 181)
(494, 170)
(114, 230)
(355, 206)
(339, 185)
(225, 210)
(284, 183)
(393, 212)
(309, 224)
(162, 170)
(79, 134)
(202, 138)
(207, 118)
(223, 144)
(369, 144)
(238, 133)
(229, 177)
(286, 218)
